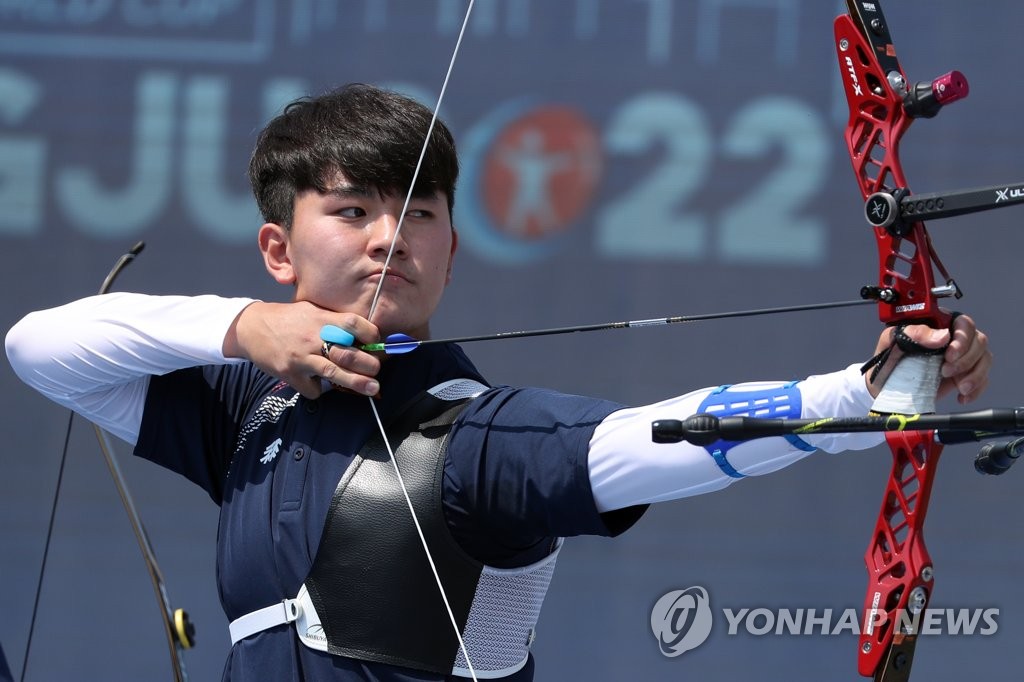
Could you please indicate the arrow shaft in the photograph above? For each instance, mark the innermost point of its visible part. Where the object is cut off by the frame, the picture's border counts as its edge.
(629, 324)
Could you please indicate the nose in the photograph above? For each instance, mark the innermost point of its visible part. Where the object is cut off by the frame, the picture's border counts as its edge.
(383, 231)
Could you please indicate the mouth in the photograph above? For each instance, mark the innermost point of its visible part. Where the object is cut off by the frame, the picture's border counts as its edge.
(392, 277)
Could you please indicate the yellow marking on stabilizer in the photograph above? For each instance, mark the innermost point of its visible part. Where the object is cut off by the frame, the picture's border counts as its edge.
(815, 425)
(901, 421)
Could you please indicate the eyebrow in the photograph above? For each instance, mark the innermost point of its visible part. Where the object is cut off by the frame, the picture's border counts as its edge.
(348, 191)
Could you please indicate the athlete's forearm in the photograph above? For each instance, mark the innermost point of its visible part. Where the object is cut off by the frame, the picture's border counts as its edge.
(627, 468)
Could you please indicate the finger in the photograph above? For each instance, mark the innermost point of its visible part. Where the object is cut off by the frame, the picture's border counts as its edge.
(966, 392)
(342, 378)
(926, 336)
(963, 331)
(971, 384)
(354, 360)
(966, 355)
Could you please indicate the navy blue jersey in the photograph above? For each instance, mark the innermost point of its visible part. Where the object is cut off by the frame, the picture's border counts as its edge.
(515, 478)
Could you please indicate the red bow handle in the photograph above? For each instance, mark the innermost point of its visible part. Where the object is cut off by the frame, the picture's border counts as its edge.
(882, 106)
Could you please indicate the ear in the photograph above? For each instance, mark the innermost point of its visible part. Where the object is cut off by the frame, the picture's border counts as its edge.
(451, 256)
(273, 243)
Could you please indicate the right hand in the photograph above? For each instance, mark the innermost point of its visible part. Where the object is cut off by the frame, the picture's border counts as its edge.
(283, 340)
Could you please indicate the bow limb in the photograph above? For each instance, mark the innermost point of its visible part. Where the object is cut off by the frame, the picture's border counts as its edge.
(178, 629)
(369, 316)
(900, 571)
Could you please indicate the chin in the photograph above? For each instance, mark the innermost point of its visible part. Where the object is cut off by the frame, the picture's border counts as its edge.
(402, 317)
(396, 324)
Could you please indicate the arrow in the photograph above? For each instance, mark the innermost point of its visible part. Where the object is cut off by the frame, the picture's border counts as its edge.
(399, 344)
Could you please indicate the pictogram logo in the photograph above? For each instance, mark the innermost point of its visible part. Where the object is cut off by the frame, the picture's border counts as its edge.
(541, 172)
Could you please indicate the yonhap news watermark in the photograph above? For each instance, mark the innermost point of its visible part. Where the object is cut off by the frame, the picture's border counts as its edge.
(682, 620)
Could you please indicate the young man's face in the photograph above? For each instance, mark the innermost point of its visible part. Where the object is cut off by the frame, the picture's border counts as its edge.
(337, 245)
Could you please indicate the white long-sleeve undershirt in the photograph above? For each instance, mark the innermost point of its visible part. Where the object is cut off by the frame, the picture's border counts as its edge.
(627, 468)
(96, 355)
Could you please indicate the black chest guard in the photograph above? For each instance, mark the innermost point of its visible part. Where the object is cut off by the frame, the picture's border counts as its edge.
(371, 583)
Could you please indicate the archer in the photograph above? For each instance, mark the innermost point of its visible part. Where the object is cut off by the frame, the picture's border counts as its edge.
(319, 566)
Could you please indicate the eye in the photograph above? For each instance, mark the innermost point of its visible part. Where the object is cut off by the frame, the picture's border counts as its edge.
(426, 208)
(350, 212)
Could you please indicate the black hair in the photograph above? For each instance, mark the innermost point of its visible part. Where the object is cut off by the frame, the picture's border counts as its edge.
(372, 136)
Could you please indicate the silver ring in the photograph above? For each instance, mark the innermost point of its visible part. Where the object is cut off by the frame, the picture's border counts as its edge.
(325, 349)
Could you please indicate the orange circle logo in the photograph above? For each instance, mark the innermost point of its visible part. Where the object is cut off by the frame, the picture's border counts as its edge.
(541, 172)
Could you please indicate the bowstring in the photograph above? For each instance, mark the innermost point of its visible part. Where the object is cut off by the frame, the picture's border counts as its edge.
(373, 308)
(419, 161)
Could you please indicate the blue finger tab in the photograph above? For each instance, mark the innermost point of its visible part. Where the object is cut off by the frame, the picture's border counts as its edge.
(336, 335)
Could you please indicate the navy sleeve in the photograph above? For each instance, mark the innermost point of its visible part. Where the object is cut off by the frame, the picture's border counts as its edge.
(192, 417)
(516, 474)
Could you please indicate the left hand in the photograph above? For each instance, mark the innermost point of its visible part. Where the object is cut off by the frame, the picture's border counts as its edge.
(965, 364)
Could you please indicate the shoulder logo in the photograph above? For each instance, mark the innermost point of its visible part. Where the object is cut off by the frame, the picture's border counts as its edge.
(270, 453)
